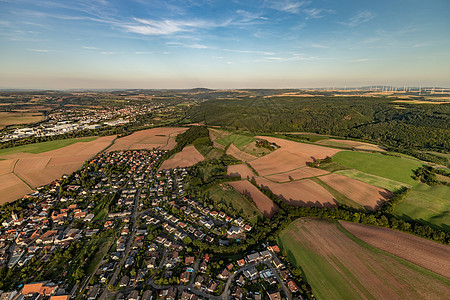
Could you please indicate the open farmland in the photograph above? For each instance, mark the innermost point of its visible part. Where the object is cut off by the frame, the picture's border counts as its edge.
(428, 254)
(234, 151)
(236, 139)
(395, 168)
(222, 195)
(369, 196)
(348, 144)
(189, 156)
(240, 170)
(15, 118)
(299, 193)
(43, 167)
(162, 138)
(264, 204)
(301, 173)
(290, 155)
(388, 184)
(340, 266)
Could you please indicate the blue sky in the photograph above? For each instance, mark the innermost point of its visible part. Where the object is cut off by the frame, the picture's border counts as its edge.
(223, 44)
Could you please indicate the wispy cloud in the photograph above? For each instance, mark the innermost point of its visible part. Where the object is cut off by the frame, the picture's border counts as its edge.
(108, 53)
(286, 5)
(358, 60)
(192, 46)
(143, 52)
(90, 48)
(40, 50)
(165, 27)
(359, 18)
(249, 51)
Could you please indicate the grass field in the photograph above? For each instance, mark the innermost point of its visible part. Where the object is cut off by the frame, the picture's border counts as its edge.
(208, 152)
(390, 185)
(45, 146)
(228, 197)
(337, 265)
(427, 203)
(237, 139)
(391, 167)
(14, 118)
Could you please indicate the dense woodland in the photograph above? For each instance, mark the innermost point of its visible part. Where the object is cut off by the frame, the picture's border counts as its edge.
(406, 128)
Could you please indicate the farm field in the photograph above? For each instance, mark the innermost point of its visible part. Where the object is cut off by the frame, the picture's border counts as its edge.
(43, 167)
(369, 196)
(290, 156)
(428, 254)
(296, 174)
(427, 203)
(162, 138)
(348, 144)
(234, 151)
(15, 118)
(240, 170)
(391, 167)
(381, 182)
(189, 156)
(44, 146)
(299, 193)
(230, 197)
(339, 266)
(263, 203)
(236, 139)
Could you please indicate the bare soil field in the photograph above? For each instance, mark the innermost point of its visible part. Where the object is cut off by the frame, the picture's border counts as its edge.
(339, 267)
(301, 173)
(290, 156)
(160, 137)
(189, 156)
(362, 193)
(351, 145)
(263, 203)
(425, 253)
(42, 168)
(240, 170)
(234, 151)
(12, 188)
(299, 193)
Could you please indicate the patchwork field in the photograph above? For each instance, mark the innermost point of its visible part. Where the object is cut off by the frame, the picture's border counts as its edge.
(388, 184)
(189, 156)
(299, 193)
(263, 203)
(347, 144)
(230, 197)
(339, 266)
(240, 170)
(162, 138)
(234, 151)
(300, 173)
(369, 196)
(425, 253)
(15, 118)
(236, 139)
(290, 156)
(391, 167)
(43, 166)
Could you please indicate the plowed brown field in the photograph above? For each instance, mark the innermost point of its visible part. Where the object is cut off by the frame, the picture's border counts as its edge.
(362, 193)
(301, 173)
(189, 156)
(12, 188)
(234, 151)
(263, 203)
(290, 156)
(338, 267)
(428, 254)
(299, 193)
(240, 170)
(160, 138)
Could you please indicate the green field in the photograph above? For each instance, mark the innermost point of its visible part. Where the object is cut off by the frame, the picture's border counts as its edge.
(45, 146)
(388, 184)
(430, 204)
(208, 152)
(236, 200)
(237, 139)
(337, 265)
(391, 167)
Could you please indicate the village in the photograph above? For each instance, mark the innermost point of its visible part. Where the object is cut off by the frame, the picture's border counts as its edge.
(121, 228)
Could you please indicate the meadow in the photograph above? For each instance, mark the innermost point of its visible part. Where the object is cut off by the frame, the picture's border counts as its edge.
(237, 139)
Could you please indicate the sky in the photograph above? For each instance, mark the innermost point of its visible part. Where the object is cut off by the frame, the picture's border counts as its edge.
(116, 44)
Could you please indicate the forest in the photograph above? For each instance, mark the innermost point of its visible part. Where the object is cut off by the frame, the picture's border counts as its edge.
(407, 128)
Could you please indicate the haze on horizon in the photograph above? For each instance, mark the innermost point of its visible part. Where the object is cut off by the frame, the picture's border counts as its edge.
(58, 44)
